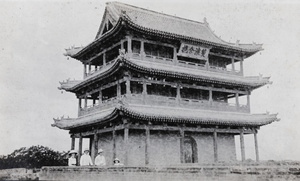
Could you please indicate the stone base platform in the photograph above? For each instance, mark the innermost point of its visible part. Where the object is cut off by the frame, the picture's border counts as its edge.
(174, 173)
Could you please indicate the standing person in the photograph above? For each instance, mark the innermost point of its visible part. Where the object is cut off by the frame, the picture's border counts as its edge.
(72, 160)
(86, 159)
(100, 159)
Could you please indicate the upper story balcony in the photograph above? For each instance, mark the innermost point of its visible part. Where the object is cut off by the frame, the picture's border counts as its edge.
(157, 100)
(163, 53)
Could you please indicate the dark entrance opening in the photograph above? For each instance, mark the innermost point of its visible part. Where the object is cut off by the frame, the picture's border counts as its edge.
(190, 151)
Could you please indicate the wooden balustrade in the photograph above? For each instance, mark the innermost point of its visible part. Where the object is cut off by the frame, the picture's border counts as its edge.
(165, 101)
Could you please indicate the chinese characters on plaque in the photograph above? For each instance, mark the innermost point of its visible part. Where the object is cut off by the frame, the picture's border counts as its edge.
(192, 51)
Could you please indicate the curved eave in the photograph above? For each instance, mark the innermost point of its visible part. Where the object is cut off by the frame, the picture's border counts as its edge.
(203, 117)
(167, 114)
(177, 72)
(248, 49)
(91, 119)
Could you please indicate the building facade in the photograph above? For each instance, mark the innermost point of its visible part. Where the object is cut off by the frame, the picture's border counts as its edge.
(162, 90)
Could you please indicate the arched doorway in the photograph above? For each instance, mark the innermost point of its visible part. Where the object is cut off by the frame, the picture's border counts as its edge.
(190, 152)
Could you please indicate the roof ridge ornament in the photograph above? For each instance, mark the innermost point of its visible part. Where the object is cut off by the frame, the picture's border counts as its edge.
(237, 43)
(205, 21)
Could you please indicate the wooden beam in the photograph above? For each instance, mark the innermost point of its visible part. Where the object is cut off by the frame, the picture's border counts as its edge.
(225, 56)
(147, 145)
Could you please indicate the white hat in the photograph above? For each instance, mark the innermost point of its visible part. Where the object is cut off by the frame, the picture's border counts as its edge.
(100, 150)
(86, 149)
(116, 159)
(72, 151)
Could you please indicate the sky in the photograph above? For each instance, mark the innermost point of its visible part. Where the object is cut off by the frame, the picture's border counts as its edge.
(35, 34)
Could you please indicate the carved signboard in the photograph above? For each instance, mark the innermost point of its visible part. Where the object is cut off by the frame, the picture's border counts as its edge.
(192, 51)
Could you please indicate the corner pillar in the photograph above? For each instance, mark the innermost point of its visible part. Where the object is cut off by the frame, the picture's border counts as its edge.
(80, 149)
(147, 145)
(215, 140)
(256, 146)
(242, 145)
(72, 142)
(181, 145)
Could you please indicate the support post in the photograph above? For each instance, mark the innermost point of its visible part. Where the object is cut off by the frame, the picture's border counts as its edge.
(129, 46)
(92, 148)
(128, 91)
(210, 100)
(118, 90)
(181, 145)
(256, 146)
(147, 145)
(95, 146)
(248, 101)
(85, 101)
(90, 67)
(232, 64)
(100, 97)
(104, 59)
(144, 93)
(242, 66)
(215, 146)
(142, 51)
(175, 56)
(79, 106)
(178, 96)
(114, 143)
(72, 142)
(237, 104)
(84, 70)
(80, 149)
(242, 145)
(126, 132)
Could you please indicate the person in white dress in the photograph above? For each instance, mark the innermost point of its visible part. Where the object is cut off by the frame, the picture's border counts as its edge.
(100, 159)
(85, 159)
(72, 159)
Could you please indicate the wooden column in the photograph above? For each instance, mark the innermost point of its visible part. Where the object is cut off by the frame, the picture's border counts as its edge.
(95, 146)
(175, 56)
(232, 64)
(114, 143)
(181, 145)
(128, 91)
(242, 145)
(118, 90)
(92, 148)
(72, 142)
(84, 70)
(80, 149)
(79, 105)
(104, 59)
(237, 104)
(178, 96)
(142, 51)
(256, 146)
(122, 44)
(210, 100)
(144, 93)
(248, 100)
(85, 101)
(126, 132)
(100, 97)
(129, 46)
(242, 66)
(215, 146)
(147, 145)
(90, 67)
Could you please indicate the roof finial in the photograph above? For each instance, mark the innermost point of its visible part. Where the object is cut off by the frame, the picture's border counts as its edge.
(205, 21)
(237, 42)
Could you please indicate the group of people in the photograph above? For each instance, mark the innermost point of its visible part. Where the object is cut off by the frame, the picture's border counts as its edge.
(86, 160)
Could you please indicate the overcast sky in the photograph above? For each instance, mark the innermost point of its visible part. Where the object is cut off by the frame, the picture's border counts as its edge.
(34, 34)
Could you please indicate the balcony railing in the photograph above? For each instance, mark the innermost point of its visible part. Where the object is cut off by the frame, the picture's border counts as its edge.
(157, 100)
(170, 61)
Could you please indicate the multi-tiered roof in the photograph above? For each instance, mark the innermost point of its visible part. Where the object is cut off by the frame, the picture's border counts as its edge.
(118, 20)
